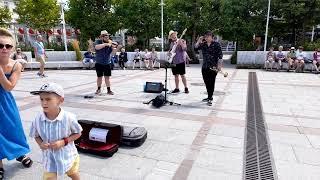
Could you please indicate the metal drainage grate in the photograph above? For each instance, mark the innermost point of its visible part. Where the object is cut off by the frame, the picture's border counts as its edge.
(258, 162)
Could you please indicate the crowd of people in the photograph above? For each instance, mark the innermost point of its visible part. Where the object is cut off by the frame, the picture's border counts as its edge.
(54, 129)
(294, 59)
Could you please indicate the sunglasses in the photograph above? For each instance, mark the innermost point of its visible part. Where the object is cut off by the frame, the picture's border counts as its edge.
(8, 46)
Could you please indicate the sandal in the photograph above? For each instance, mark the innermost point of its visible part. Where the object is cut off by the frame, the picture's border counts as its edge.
(1, 173)
(26, 161)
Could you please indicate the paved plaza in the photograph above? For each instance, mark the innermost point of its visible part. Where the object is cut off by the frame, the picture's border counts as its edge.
(192, 141)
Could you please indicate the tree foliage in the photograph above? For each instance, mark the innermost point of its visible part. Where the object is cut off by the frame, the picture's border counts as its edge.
(38, 14)
(234, 20)
(91, 17)
(5, 16)
(140, 17)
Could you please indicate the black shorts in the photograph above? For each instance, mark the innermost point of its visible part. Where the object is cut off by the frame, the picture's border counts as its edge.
(179, 69)
(103, 70)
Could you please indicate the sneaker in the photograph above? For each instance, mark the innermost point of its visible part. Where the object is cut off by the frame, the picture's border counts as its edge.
(175, 91)
(186, 90)
(209, 103)
(110, 93)
(206, 99)
(98, 91)
(43, 75)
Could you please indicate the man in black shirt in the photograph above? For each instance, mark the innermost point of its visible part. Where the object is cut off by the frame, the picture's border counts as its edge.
(212, 53)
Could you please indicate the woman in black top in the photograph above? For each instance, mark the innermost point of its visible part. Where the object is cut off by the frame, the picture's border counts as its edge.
(212, 53)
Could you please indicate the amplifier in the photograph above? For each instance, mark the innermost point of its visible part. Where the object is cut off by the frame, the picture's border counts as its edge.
(153, 87)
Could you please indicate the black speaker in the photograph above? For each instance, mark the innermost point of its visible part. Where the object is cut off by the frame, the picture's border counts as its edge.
(153, 87)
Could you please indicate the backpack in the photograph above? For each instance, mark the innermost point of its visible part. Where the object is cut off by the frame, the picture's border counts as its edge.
(158, 101)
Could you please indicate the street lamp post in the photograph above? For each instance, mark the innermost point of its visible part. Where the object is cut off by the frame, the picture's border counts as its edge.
(162, 46)
(267, 27)
(64, 26)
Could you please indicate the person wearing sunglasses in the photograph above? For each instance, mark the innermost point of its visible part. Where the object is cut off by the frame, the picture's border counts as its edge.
(13, 141)
(21, 58)
(40, 55)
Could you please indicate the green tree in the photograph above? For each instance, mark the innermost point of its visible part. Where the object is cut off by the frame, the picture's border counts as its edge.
(5, 16)
(296, 17)
(91, 17)
(196, 15)
(38, 14)
(240, 20)
(140, 17)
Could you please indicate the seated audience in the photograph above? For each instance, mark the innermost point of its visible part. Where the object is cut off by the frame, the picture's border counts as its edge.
(123, 58)
(280, 58)
(146, 58)
(269, 59)
(21, 58)
(291, 57)
(88, 61)
(300, 60)
(137, 58)
(113, 56)
(316, 59)
(154, 58)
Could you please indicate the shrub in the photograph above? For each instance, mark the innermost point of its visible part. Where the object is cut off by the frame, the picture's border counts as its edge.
(234, 58)
(75, 45)
(311, 46)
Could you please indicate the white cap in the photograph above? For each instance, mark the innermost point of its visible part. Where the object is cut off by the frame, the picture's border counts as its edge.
(50, 88)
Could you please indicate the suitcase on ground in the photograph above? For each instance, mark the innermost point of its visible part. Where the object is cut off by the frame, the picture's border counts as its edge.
(133, 136)
(99, 138)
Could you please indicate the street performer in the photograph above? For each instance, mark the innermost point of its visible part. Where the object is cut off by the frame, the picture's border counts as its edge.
(179, 61)
(212, 53)
(103, 48)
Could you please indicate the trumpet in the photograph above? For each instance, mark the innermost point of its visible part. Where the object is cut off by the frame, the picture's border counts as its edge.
(225, 74)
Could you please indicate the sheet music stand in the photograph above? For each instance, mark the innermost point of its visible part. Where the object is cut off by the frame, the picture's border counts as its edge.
(167, 65)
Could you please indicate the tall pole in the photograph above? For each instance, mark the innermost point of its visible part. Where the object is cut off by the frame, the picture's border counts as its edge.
(312, 35)
(64, 27)
(162, 46)
(267, 27)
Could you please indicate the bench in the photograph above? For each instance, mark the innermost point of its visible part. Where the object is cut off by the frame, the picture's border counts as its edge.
(257, 58)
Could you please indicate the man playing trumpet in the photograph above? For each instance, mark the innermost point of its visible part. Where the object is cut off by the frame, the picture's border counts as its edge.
(212, 53)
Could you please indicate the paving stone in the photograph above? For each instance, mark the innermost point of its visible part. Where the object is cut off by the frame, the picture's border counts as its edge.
(173, 129)
(198, 173)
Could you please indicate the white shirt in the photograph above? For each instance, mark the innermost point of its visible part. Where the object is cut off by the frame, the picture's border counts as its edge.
(66, 124)
(300, 55)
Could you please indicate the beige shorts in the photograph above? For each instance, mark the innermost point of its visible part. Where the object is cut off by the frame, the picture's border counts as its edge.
(74, 169)
(41, 59)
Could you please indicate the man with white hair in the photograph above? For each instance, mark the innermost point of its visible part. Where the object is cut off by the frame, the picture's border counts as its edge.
(280, 58)
(300, 61)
